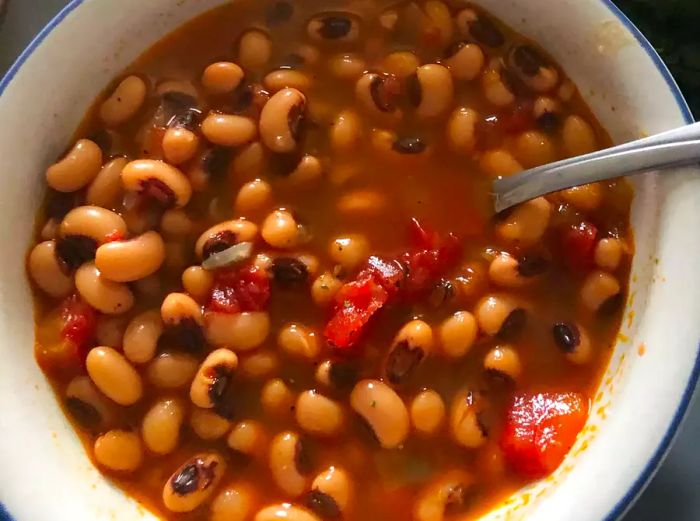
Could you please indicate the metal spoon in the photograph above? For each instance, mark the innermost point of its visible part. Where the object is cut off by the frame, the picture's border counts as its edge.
(678, 147)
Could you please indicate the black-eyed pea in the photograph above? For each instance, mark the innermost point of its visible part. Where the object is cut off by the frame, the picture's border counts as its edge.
(508, 271)
(288, 272)
(446, 494)
(547, 113)
(261, 364)
(378, 95)
(534, 148)
(280, 79)
(427, 411)
(193, 482)
(157, 180)
(299, 341)
(176, 223)
(83, 229)
(333, 28)
(461, 130)
(464, 60)
(208, 424)
(399, 150)
(213, 380)
(410, 347)
(88, 406)
(346, 132)
(132, 259)
(234, 503)
(400, 64)
(500, 315)
(239, 332)
(324, 288)
(276, 398)
(578, 136)
(336, 375)
(179, 145)
(124, 102)
(480, 28)
(113, 375)
(281, 120)
(254, 49)
(457, 334)
(109, 330)
(566, 90)
(330, 494)
(112, 298)
(608, 253)
(346, 67)
(362, 202)
(289, 463)
(525, 225)
(47, 271)
(437, 25)
(310, 262)
(171, 370)
(503, 362)
(280, 229)
(318, 415)
(532, 68)
(310, 54)
(198, 283)
(224, 235)
(384, 411)
(252, 197)
(119, 451)
(586, 198)
(597, 289)
(286, 512)
(106, 189)
(430, 90)
(308, 170)
(349, 251)
(160, 428)
(77, 168)
(183, 318)
(496, 89)
(574, 342)
(222, 77)
(141, 336)
(249, 437)
(499, 162)
(465, 423)
(229, 130)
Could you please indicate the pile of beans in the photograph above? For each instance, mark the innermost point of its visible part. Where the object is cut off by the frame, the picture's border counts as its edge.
(203, 259)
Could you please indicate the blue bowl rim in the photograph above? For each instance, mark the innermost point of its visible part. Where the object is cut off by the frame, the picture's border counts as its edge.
(647, 473)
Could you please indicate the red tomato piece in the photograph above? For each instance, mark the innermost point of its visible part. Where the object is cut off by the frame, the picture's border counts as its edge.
(356, 303)
(114, 236)
(79, 321)
(578, 246)
(388, 274)
(245, 289)
(540, 430)
(425, 267)
(421, 237)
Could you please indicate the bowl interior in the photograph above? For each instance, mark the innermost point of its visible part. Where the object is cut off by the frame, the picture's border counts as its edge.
(644, 391)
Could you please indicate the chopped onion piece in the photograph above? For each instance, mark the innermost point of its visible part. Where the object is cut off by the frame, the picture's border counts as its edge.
(221, 259)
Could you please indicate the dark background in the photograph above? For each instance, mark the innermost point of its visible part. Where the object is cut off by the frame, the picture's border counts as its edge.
(673, 26)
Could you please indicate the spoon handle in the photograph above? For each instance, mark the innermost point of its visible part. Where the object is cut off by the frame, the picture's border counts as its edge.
(676, 147)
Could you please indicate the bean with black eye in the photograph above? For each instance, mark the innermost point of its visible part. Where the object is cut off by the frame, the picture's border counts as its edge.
(289, 271)
(503, 362)
(526, 224)
(547, 113)
(213, 379)
(465, 421)
(496, 85)
(411, 345)
(500, 315)
(281, 120)
(430, 90)
(83, 229)
(598, 289)
(378, 94)
(157, 180)
(331, 491)
(333, 27)
(88, 405)
(336, 374)
(464, 60)
(574, 342)
(224, 235)
(193, 482)
(183, 320)
(47, 270)
(383, 409)
(511, 272)
(480, 28)
(289, 463)
(443, 497)
(532, 68)
(287, 512)
(399, 149)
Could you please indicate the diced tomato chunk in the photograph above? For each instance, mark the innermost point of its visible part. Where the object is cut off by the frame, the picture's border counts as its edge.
(356, 303)
(425, 267)
(388, 274)
(244, 289)
(578, 246)
(79, 321)
(116, 235)
(421, 237)
(541, 429)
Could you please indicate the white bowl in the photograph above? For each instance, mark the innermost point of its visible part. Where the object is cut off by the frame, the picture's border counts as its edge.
(45, 474)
